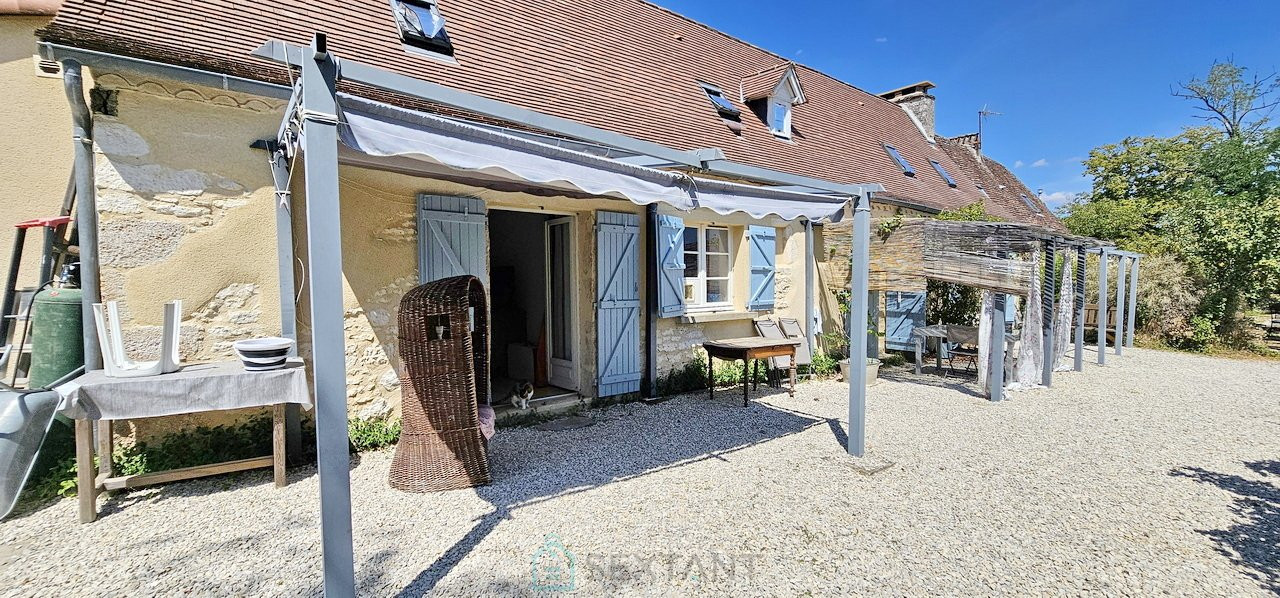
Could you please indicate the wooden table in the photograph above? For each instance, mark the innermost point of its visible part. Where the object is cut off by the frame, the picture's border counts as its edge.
(748, 349)
(96, 400)
(921, 334)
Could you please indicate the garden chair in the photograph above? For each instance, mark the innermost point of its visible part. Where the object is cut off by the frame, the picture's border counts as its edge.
(768, 328)
(963, 341)
(1273, 330)
(118, 364)
(443, 444)
(792, 329)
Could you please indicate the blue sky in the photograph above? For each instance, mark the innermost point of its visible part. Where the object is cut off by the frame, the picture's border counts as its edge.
(1066, 76)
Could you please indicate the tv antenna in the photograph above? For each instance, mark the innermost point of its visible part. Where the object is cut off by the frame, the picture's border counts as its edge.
(983, 114)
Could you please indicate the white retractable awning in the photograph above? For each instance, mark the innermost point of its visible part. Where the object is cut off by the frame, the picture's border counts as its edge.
(421, 143)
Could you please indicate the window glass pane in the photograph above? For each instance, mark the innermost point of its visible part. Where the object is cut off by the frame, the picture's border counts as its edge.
(779, 117)
(688, 292)
(717, 240)
(717, 291)
(717, 265)
(690, 239)
(691, 265)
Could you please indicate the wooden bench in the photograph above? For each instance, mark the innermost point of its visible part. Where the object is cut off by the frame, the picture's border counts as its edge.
(1091, 319)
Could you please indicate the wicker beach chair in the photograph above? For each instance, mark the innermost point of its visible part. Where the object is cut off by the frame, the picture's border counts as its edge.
(445, 372)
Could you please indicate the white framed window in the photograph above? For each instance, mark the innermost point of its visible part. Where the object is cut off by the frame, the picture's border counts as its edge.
(780, 116)
(708, 267)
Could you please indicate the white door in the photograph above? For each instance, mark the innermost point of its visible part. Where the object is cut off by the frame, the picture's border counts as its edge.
(561, 288)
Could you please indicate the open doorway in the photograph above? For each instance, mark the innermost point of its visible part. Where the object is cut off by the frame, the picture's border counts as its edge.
(532, 288)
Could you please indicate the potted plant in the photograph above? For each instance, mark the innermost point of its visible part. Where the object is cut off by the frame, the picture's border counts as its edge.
(873, 370)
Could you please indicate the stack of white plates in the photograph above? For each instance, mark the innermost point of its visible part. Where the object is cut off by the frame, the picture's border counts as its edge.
(261, 354)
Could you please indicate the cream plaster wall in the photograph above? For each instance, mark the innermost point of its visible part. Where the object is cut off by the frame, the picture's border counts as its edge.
(35, 149)
(186, 211)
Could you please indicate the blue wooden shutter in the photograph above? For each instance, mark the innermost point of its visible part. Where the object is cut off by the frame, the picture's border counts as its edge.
(670, 265)
(903, 312)
(452, 240)
(618, 366)
(762, 243)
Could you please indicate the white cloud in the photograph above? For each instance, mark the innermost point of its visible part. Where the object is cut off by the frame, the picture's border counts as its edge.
(1039, 163)
(1057, 199)
(800, 51)
(881, 40)
(1018, 164)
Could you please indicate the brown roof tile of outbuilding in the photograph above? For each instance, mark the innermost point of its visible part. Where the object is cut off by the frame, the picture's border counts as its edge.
(1004, 188)
(623, 65)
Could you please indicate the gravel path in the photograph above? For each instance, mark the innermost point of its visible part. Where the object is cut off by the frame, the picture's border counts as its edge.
(1157, 474)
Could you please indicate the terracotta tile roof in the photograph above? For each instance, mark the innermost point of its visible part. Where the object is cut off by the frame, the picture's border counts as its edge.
(623, 65)
(1005, 190)
(761, 83)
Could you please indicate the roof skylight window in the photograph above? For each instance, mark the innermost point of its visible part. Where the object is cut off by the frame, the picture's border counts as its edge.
(421, 26)
(902, 162)
(1031, 205)
(722, 104)
(942, 172)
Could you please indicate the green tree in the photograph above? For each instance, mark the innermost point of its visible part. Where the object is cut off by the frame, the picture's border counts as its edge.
(1240, 106)
(1208, 196)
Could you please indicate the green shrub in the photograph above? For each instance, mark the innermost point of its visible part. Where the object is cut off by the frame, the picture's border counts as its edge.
(892, 360)
(370, 434)
(693, 375)
(825, 366)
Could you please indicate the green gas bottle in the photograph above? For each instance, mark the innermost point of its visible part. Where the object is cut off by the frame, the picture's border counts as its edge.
(57, 339)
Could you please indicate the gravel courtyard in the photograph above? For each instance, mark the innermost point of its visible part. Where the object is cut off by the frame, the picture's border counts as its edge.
(1157, 474)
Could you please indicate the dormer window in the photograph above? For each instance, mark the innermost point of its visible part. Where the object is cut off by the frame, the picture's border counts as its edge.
(778, 89)
(902, 162)
(942, 172)
(722, 104)
(422, 27)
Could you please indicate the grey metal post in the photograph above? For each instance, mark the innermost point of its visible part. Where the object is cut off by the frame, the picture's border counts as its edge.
(1133, 299)
(1121, 267)
(995, 378)
(810, 288)
(1102, 306)
(284, 257)
(1048, 294)
(86, 208)
(324, 253)
(858, 285)
(1081, 264)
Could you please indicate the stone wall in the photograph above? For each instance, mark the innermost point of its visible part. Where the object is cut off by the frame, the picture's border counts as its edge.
(186, 212)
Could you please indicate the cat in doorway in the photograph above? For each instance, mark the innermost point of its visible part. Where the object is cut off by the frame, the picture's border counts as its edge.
(520, 395)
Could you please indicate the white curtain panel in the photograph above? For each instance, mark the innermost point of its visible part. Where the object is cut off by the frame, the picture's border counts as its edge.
(984, 337)
(1031, 350)
(1062, 334)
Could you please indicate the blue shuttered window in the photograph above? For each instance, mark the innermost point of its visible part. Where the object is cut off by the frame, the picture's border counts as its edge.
(903, 312)
(452, 240)
(670, 266)
(762, 243)
(618, 364)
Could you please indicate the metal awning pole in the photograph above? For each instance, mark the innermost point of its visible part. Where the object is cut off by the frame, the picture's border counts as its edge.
(810, 289)
(1133, 299)
(859, 283)
(1081, 264)
(1121, 267)
(1103, 258)
(995, 377)
(324, 254)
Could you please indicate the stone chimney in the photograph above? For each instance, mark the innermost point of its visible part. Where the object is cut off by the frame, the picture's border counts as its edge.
(915, 99)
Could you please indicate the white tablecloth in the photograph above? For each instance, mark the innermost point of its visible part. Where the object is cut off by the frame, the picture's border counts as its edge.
(193, 389)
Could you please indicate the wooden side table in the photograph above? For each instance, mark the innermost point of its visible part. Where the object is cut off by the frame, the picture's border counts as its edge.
(748, 349)
(95, 400)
